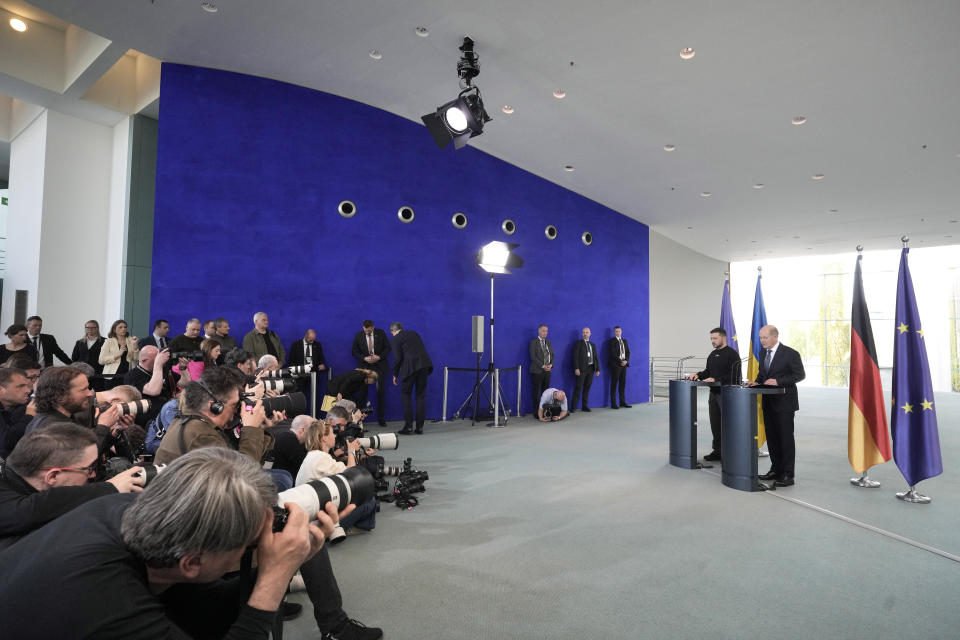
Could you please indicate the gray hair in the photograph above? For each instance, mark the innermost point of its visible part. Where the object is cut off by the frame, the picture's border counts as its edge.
(194, 321)
(349, 405)
(85, 368)
(267, 360)
(396, 326)
(301, 422)
(209, 500)
(258, 315)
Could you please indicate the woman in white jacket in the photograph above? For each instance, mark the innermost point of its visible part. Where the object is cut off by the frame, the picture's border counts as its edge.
(120, 352)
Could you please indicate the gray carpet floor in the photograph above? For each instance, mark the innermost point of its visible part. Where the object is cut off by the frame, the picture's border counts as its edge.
(580, 529)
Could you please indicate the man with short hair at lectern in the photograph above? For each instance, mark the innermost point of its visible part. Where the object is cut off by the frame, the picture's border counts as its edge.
(723, 367)
(780, 366)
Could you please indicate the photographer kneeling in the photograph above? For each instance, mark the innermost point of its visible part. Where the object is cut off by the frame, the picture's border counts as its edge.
(319, 441)
(48, 474)
(121, 568)
(553, 405)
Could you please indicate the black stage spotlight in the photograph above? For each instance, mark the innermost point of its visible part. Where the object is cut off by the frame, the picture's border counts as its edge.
(462, 118)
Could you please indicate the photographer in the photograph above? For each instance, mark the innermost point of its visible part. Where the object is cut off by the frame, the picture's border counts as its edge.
(288, 449)
(210, 408)
(242, 361)
(16, 410)
(148, 378)
(352, 385)
(553, 405)
(319, 440)
(48, 475)
(151, 568)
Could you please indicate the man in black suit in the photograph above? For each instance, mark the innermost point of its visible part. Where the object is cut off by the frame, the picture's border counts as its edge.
(411, 366)
(44, 344)
(780, 366)
(370, 348)
(541, 364)
(158, 338)
(87, 348)
(618, 359)
(307, 352)
(586, 366)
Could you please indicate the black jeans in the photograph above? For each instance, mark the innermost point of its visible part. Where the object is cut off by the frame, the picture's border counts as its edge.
(416, 379)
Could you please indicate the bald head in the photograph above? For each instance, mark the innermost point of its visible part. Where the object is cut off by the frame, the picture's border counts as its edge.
(147, 355)
(769, 336)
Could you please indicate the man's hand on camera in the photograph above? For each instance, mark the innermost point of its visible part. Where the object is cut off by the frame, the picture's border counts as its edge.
(253, 416)
(162, 358)
(555, 418)
(277, 417)
(353, 445)
(256, 389)
(126, 482)
(358, 417)
(109, 417)
(280, 554)
(183, 363)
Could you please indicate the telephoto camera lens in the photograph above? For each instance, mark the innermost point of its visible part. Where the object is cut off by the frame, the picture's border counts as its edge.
(150, 471)
(294, 404)
(353, 486)
(134, 407)
(279, 384)
(385, 442)
(290, 372)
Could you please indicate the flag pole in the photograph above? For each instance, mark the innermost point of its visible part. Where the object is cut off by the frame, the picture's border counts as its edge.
(911, 494)
(764, 451)
(863, 480)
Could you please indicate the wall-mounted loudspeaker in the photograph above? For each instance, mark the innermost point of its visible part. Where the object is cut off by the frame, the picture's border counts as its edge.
(509, 227)
(587, 238)
(459, 220)
(405, 214)
(550, 232)
(347, 209)
(476, 332)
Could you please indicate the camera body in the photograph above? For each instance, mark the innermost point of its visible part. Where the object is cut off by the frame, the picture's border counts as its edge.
(196, 356)
(347, 433)
(552, 409)
(353, 486)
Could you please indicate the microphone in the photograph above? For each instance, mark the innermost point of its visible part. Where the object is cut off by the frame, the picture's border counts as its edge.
(738, 366)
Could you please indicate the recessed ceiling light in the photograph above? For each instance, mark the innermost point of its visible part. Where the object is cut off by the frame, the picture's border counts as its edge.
(669, 147)
(18, 25)
(759, 185)
(834, 210)
(559, 94)
(817, 176)
(423, 32)
(209, 7)
(796, 237)
(947, 236)
(705, 194)
(799, 120)
(507, 109)
(753, 241)
(809, 248)
(689, 227)
(953, 222)
(687, 52)
(568, 167)
(375, 54)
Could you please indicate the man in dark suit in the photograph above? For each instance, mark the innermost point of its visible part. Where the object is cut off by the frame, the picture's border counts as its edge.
(307, 352)
(87, 348)
(618, 359)
(780, 366)
(44, 344)
(585, 367)
(158, 338)
(411, 366)
(541, 364)
(370, 348)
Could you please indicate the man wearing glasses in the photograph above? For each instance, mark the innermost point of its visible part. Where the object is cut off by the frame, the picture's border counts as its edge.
(48, 474)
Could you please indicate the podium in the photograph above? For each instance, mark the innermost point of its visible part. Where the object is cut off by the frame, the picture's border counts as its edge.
(738, 437)
(683, 422)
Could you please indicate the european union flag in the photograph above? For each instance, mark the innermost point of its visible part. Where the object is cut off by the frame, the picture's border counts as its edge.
(726, 318)
(916, 442)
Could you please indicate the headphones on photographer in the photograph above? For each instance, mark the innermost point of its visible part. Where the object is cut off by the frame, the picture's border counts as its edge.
(216, 407)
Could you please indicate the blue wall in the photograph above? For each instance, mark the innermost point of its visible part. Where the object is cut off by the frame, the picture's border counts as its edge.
(250, 173)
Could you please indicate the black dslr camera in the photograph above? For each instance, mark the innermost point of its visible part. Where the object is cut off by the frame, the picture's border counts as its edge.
(552, 410)
(196, 356)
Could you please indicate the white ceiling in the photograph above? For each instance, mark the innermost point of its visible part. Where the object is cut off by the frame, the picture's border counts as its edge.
(877, 80)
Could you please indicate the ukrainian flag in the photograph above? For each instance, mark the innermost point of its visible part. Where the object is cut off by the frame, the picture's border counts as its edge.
(756, 349)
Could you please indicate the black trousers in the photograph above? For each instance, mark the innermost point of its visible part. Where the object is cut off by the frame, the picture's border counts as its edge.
(780, 442)
(584, 382)
(715, 419)
(539, 382)
(416, 379)
(381, 396)
(618, 380)
(323, 591)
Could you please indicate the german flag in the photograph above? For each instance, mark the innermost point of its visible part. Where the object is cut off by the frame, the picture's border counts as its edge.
(868, 439)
